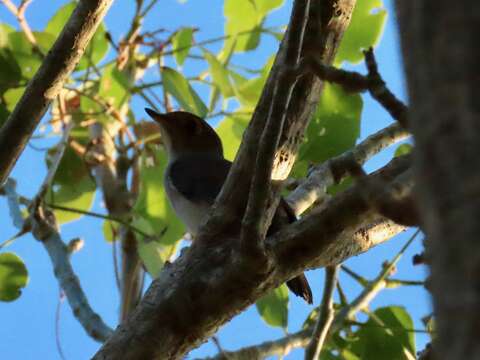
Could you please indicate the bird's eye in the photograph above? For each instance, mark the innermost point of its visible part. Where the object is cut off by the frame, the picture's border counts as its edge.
(193, 127)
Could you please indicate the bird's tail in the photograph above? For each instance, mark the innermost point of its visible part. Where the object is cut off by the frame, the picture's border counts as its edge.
(299, 286)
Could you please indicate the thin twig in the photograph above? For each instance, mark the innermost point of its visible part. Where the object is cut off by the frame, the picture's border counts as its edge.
(356, 82)
(325, 316)
(101, 216)
(19, 13)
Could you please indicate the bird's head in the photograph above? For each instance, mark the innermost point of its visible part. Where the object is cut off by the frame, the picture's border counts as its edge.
(184, 133)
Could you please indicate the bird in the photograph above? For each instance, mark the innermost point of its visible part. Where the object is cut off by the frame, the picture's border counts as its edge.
(195, 174)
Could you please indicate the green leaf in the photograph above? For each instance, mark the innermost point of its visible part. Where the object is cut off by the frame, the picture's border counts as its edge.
(5, 29)
(152, 211)
(265, 6)
(13, 276)
(109, 228)
(176, 85)
(386, 335)
(220, 75)
(403, 149)
(249, 91)
(12, 96)
(182, 41)
(59, 19)
(72, 187)
(154, 255)
(334, 128)
(231, 130)
(22, 51)
(114, 87)
(273, 307)
(364, 31)
(10, 71)
(244, 21)
(242, 24)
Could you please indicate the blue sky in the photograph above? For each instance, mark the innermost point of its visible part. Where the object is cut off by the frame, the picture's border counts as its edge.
(28, 324)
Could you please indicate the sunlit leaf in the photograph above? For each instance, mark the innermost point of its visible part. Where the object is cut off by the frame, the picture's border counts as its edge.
(152, 211)
(364, 31)
(5, 29)
(113, 87)
(231, 130)
(72, 187)
(13, 276)
(59, 19)
(220, 75)
(334, 128)
(176, 85)
(273, 307)
(109, 229)
(22, 51)
(154, 255)
(11, 97)
(403, 149)
(182, 41)
(242, 25)
(386, 335)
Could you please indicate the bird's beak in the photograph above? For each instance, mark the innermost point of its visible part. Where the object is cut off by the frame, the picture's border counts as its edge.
(160, 118)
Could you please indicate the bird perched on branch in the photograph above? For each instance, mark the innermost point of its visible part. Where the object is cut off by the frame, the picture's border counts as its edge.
(196, 172)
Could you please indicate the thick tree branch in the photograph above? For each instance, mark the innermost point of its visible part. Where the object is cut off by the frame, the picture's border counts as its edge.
(254, 223)
(441, 59)
(207, 285)
(325, 28)
(48, 81)
(301, 338)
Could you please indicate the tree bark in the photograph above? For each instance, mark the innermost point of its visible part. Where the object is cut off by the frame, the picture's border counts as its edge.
(442, 57)
(213, 281)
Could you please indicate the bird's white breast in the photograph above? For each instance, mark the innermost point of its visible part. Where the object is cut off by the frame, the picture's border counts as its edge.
(192, 214)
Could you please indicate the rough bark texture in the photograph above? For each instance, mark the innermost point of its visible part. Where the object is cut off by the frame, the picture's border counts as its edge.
(48, 81)
(442, 57)
(211, 282)
(208, 285)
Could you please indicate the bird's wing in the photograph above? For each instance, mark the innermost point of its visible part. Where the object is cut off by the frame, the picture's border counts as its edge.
(205, 181)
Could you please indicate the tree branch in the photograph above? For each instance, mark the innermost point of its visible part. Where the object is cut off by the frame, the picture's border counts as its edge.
(48, 81)
(314, 188)
(301, 338)
(256, 214)
(207, 285)
(356, 82)
(58, 252)
(325, 316)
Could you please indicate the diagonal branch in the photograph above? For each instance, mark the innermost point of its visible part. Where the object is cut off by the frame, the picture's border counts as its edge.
(314, 188)
(282, 91)
(48, 81)
(59, 255)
